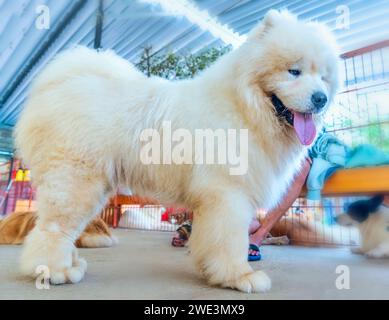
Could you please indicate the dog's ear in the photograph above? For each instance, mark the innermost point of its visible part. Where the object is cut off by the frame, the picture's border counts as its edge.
(271, 18)
(375, 202)
(268, 21)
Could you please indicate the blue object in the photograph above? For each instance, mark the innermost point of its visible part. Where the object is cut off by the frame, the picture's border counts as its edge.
(366, 155)
(329, 214)
(254, 247)
(329, 154)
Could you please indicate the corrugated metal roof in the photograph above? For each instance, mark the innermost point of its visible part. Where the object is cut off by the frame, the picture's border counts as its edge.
(131, 25)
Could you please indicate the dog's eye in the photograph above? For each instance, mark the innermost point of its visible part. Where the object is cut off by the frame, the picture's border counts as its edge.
(294, 72)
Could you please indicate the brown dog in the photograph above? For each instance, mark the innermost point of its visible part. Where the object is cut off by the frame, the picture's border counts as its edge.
(15, 227)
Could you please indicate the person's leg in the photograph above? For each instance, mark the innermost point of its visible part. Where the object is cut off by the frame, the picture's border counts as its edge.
(254, 226)
(275, 214)
(180, 239)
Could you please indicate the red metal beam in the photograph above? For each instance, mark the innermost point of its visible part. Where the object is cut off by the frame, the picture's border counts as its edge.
(372, 47)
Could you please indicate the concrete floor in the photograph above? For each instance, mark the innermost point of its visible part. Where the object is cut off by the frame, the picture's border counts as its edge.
(145, 266)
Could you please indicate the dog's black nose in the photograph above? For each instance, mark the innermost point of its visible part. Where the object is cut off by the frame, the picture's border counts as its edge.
(319, 100)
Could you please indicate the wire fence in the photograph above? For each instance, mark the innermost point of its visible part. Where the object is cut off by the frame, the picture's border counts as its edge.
(313, 223)
(361, 111)
(147, 217)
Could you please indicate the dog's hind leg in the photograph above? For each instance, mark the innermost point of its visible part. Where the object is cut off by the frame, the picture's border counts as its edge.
(67, 199)
(219, 243)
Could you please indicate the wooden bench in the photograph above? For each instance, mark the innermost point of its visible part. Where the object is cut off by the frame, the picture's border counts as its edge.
(356, 181)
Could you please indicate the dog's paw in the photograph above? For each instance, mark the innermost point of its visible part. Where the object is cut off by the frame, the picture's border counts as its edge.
(375, 254)
(257, 281)
(57, 275)
(73, 274)
(52, 256)
(356, 250)
(115, 240)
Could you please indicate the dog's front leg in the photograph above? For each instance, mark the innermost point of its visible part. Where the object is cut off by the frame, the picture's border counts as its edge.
(67, 200)
(219, 242)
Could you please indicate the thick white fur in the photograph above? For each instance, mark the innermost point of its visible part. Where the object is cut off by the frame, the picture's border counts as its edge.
(80, 129)
(374, 233)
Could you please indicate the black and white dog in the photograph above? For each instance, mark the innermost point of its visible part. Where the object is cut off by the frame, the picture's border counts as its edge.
(372, 219)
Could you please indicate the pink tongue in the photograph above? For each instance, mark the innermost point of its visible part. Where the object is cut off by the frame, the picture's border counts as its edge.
(304, 127)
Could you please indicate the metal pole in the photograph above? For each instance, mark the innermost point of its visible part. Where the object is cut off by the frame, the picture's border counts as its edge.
(11, 165)
(99, 25)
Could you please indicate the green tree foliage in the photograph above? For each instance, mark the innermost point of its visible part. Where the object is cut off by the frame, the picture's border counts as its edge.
(177, 66)
(377, 134)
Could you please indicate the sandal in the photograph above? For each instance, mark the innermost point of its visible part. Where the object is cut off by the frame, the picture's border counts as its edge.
(254, 257)
(182, 234)
(178, 242)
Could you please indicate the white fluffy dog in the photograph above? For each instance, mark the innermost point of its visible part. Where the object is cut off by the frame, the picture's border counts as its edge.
(80, 134)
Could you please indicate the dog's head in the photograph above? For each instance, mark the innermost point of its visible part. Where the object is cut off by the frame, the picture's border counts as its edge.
(359, 211)
(293, 64)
